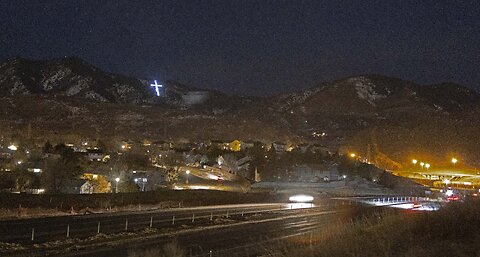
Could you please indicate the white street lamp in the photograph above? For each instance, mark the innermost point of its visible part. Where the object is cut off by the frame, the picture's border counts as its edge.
(188, 172)
(454, 161)
(116, 184)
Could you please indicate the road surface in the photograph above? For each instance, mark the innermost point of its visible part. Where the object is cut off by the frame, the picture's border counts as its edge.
(244, 238)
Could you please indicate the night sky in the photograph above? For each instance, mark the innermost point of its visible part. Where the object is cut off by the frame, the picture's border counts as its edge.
(252, 47)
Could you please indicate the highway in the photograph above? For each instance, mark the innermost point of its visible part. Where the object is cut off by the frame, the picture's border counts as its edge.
(241, 238)
(237, 240)
(81, 226)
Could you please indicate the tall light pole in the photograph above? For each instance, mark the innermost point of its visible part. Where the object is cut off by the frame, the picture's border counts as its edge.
(422, 164)
(144, 180)
(427, 166)
(116, 184)
(188, 172)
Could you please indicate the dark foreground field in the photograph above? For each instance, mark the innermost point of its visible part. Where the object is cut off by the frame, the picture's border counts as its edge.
(27, 205)
(452, 231)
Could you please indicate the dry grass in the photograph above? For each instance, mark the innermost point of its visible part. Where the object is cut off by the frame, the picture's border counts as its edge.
(171, 249)
(452, 231)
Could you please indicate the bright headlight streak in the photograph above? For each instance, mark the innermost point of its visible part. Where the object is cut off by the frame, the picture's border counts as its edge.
(301, 198)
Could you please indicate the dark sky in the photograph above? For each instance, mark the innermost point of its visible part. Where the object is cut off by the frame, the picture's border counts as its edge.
(252, 47)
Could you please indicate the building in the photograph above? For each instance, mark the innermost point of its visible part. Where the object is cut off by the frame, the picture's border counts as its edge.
(94, 154)
(220, 144)
(235, 145)
(321, 149)
(247, 144)
(77, 186)
(279, 147)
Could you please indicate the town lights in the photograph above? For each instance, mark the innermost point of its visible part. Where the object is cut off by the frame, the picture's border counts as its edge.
(353, 155)
(427, 166)
(13, 147)
(422, 164)
(414, 161)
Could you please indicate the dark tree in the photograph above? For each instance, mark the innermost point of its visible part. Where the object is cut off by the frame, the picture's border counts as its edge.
(47, 148)
(59, 170)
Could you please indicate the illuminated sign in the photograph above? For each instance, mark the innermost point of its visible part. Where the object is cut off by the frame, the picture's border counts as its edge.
(157, 87)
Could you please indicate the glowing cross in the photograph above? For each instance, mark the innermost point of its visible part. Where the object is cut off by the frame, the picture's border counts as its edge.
(156, 87)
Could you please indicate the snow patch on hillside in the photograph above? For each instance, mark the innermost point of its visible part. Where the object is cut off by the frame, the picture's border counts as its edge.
(51, 81)
(18, 88)
(290, 100)
(129, 116)
(123, 91)
(95, 96)
(366, 90)
(81, 84)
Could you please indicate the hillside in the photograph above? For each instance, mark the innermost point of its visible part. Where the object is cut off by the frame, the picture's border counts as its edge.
(62, 118)
(75, 78)
(387, 120)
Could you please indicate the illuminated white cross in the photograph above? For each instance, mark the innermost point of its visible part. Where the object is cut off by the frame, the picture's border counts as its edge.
(156, 87)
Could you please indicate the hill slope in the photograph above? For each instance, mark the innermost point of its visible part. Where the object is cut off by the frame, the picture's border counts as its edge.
(378, 116)
(387, 120)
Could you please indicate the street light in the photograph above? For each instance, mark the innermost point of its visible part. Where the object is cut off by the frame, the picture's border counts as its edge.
(427, 165)
(353, 155)
(454, 161)
(144, 180)
(188, 172)
(414, 161)
(116, 184)
(422, 164)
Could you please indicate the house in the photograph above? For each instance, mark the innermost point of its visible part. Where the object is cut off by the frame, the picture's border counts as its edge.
(279, 146)
(147, 180)
(220, 144)
(303, 148)
(95, 154)
(77, 186)
(247, 145)
(235, 145)
(321, 149)
(162, 145)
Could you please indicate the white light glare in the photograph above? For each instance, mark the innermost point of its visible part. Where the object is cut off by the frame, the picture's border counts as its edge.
(449, 192)
(301, 198)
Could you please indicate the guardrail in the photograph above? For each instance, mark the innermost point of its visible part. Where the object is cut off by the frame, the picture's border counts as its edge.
(84, 226)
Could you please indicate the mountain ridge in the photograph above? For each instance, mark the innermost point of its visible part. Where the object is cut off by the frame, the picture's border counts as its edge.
(363, 114)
